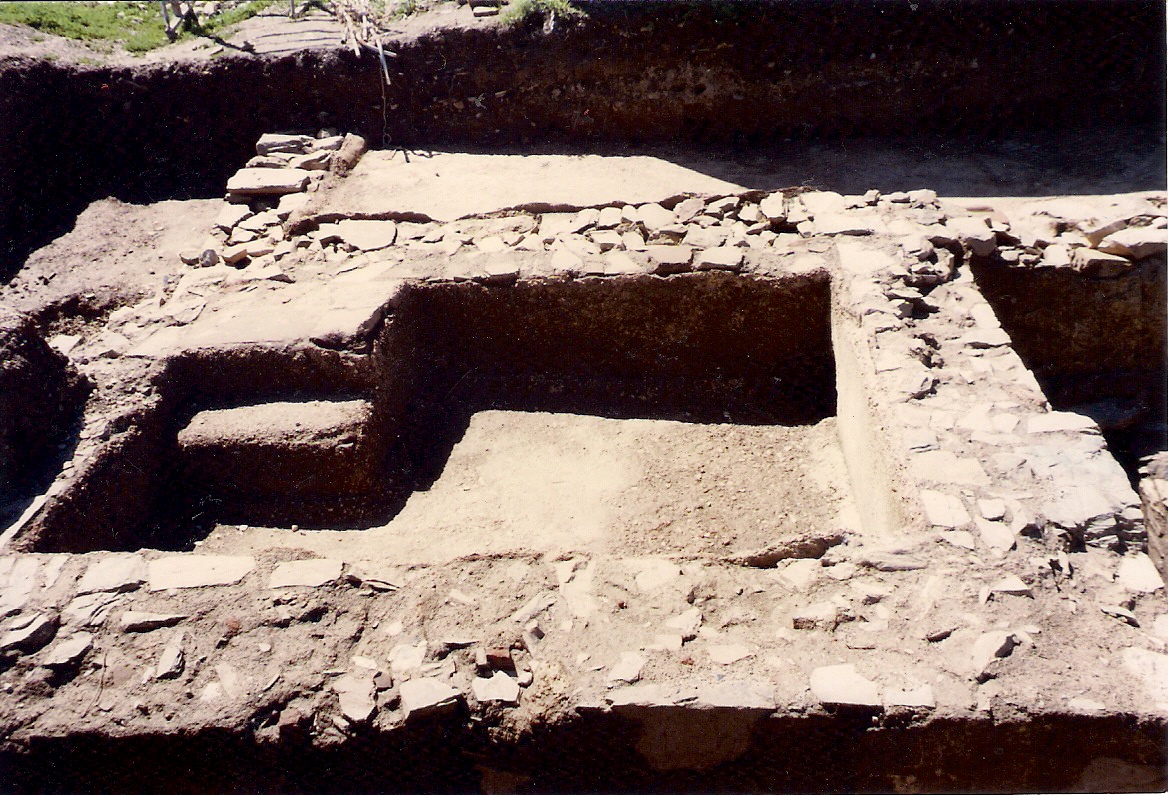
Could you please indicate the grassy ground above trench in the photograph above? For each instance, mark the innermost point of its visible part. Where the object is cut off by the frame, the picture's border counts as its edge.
(135, 26)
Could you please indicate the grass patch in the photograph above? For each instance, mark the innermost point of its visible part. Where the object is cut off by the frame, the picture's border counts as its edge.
(522, 10)
(136, 26)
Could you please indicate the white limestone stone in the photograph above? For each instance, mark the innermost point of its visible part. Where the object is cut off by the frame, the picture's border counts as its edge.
(198, 571)
(308, 573)
(842, 685)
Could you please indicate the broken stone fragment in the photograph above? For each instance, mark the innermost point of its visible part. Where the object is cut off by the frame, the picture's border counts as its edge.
(89, 610)
(533, 607)
(618, 263)
(137, 621)
(1121, 613)
(654, 217)
(687, 623)
(407, 657)
(974, 233)
(499, 688)
(608, 218)
(607, 240)
(892, 561)
(1099, 264)
(566, 262)
(992, 510)
(1136, 242)
(728, 654)
(355, 697)
(646, 695)
(944, 510)
(313, 161)
(499, 659)
(688, 209)
(277, 142)
(989, 648)
(841, 685)
(996, 535)
(172, 661)
(981, 338)
(234, 254)
(667, 260)
(1011, 584)
(31, 637)
(722, 258)
(871, 592)
(69, 652)
(774, 207)
(820, 615)
(1060, 421)
(232, 214)
(723, 206)
(627, 669)
(115, 573)
(1137, 573)
(501, 269)
(426, 695)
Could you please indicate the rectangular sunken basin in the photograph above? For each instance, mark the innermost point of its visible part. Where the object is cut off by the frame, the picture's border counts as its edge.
(688, 414)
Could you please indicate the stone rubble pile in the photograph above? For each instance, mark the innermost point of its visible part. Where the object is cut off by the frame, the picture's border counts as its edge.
(1065, 233)
(262, 195)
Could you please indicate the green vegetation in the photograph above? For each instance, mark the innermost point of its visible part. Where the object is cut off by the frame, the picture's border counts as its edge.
(521, 10)
(136, 26)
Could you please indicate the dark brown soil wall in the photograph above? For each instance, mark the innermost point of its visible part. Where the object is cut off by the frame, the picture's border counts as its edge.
(41, 397)
(745, 73)
(596, 752)
(1097, 346)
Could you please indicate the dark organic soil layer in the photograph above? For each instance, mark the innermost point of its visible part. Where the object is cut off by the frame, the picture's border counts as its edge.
(1096, 346)
(597, 752)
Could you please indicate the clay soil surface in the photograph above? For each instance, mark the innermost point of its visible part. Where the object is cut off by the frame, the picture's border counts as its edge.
(536, 482)
(116, 253)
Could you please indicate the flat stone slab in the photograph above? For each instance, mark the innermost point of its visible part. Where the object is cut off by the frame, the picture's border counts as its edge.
(419, 696)
(499, 688)
(268, 181)
(198, 571)
(841, 685)
(308, 573)
(446, 186)
(112, 574)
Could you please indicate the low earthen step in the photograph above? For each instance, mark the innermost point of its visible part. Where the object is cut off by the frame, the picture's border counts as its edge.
(307, 450)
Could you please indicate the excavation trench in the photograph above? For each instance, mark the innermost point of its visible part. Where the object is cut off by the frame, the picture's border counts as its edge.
(615, 397)
(1098, 347)
(744, 74)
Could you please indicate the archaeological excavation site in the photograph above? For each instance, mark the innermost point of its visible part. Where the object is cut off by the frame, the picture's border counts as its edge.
(593, 397)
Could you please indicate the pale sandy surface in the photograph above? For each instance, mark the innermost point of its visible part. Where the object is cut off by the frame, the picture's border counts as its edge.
(555, 483)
